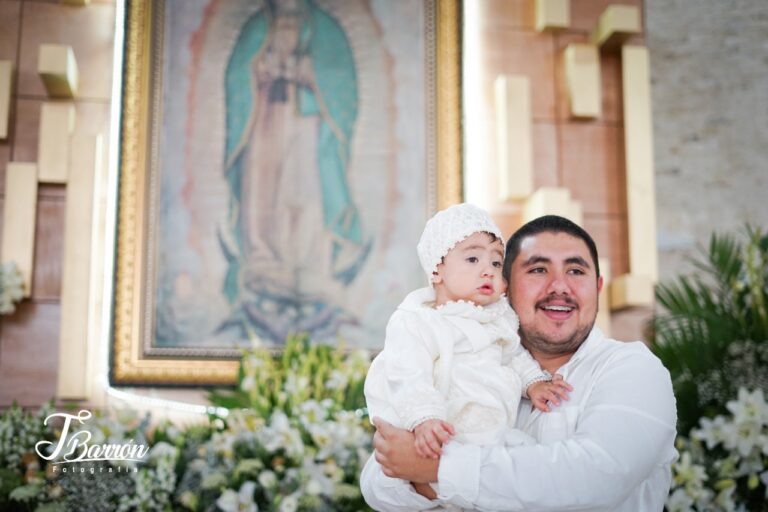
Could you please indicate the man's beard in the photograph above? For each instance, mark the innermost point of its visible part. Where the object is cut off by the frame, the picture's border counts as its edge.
(538, 342)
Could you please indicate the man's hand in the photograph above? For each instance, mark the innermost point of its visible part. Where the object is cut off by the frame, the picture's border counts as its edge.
(542, 392)
(431, 435)
(396, 452)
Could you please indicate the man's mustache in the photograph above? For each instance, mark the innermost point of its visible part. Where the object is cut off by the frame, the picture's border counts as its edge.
(560, 301)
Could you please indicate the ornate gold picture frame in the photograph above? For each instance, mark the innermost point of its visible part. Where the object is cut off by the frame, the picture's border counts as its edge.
(182, 108)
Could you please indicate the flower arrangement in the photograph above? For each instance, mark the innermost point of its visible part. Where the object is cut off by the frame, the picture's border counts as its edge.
(712, 330)
(723, 464)
(712, 335)
(11, 287)
(295, 439)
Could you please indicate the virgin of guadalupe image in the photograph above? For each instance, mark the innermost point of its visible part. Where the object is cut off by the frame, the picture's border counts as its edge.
(293, 240)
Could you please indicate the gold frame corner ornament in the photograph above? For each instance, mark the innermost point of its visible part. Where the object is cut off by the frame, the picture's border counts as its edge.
(128, 365)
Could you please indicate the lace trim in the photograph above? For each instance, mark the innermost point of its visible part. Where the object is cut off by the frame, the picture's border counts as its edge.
(469, 309)
(544, 377)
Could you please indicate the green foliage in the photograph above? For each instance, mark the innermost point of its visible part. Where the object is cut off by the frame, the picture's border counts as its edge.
(269, 380)
(713, 331)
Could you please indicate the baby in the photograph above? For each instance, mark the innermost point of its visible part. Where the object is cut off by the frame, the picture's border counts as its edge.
(452, 364)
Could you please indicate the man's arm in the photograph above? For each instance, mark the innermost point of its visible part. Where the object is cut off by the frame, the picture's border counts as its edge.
(387, 494)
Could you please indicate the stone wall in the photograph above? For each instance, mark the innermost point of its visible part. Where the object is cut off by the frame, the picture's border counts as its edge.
(709, 63)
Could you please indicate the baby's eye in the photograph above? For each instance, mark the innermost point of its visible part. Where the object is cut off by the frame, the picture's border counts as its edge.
(472, 259)
(497, 264)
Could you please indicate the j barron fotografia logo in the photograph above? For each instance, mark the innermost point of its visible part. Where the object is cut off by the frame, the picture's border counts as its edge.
(75, 447)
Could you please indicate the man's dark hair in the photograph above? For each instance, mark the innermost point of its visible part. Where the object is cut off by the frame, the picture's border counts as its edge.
(546, 224)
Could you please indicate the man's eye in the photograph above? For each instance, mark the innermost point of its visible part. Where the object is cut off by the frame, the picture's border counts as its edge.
(472, 259)
(536, 270)
(576, 271)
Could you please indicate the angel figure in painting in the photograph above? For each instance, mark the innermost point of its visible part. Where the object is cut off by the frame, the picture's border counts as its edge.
(294, 238)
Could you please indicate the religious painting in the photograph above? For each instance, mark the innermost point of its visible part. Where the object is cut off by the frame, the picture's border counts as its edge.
(278, 161)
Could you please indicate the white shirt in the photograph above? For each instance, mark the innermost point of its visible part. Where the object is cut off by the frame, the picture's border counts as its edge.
(609, 448)
(458, 362)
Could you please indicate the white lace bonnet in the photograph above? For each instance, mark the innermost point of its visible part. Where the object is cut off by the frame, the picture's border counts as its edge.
(449, 227)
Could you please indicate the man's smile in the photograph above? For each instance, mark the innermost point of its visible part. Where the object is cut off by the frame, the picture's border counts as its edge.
(558, 310)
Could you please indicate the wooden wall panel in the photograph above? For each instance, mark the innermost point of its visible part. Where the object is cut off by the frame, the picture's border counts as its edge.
(592, 169)
(29, 354)
(49, 248)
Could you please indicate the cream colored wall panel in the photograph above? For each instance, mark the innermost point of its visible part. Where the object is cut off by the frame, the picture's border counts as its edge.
(582, 77)
(641, 188)
(576, 213)
(603, 320)
(75, 3)
(6, 72)
(19, 213)
(553, 14)
(74, 370)
(616, 25)
(552, 201)
(57, 121)
(514, 145)
(57, 67)
(631, 290)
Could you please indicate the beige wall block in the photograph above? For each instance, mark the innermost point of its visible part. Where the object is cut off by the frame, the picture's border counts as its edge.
(6, 71)
(603, 320)
(19, 214)
(616, 25)
(582, 77)
(57, 121)
(57, 67)
(576, 213)
(514, 148)
(553, 14)
(74, 341)
(76, 3)
(641, 188)
(552, 201)
(631, 290)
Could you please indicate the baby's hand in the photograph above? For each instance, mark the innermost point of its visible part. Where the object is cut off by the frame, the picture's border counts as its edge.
(553, 391)
(430, 437)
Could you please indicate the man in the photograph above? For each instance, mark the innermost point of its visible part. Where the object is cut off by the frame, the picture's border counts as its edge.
(609, 447)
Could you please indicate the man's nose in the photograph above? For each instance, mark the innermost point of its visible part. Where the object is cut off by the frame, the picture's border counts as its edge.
(558, 285)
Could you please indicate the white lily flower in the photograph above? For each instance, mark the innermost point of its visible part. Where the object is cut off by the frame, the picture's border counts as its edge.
(267, 479)
(687, 473)
(249, 382)
(711, 431)
(749, 407)
(679, 501)
(289, 504)
(725, 500)
(242, 501)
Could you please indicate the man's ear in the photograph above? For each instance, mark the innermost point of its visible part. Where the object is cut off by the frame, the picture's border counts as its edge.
(599, 284)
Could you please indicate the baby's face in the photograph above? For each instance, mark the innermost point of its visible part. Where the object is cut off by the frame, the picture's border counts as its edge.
(471, 271)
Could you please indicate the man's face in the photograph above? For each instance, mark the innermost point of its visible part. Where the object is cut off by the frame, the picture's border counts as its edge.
(553, 288)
